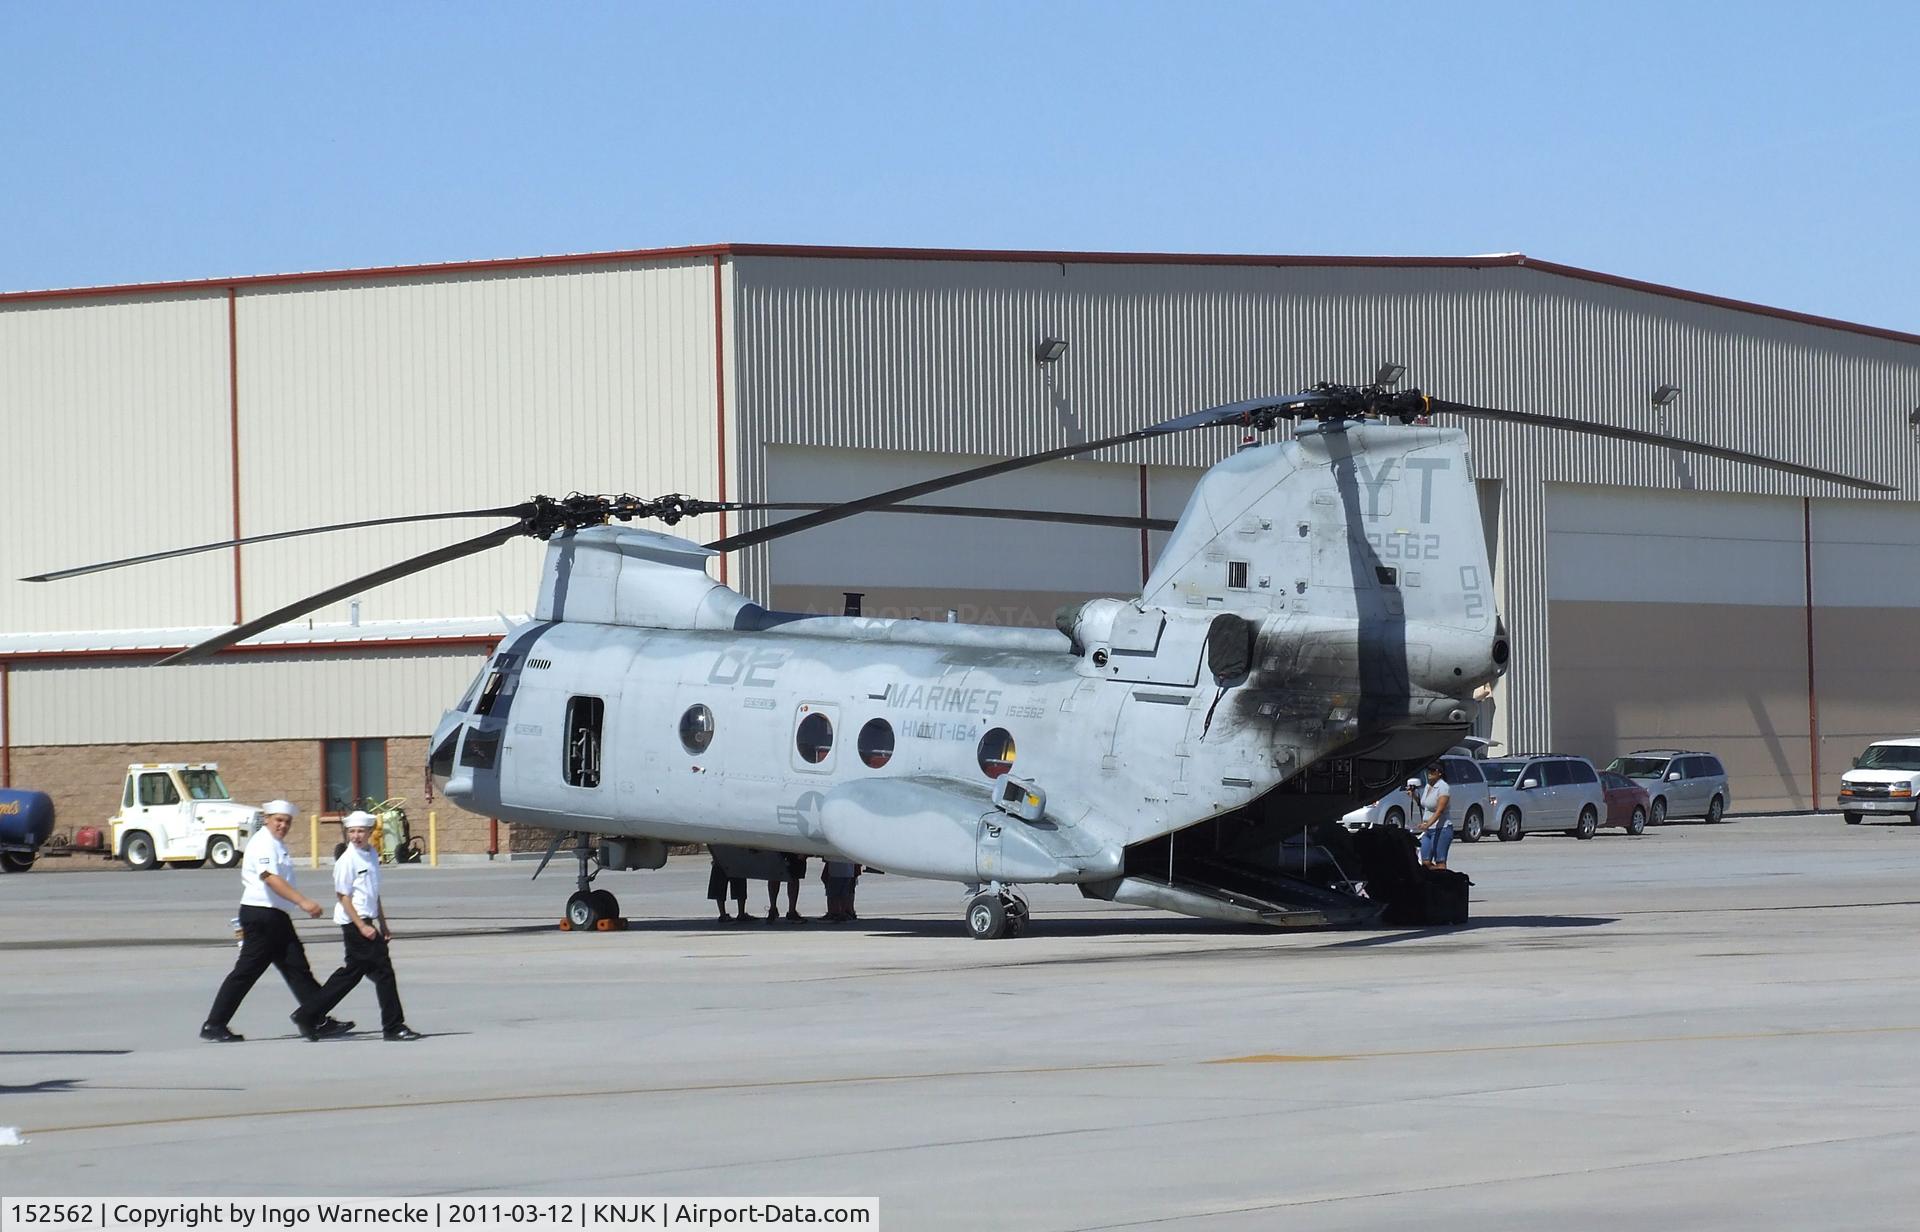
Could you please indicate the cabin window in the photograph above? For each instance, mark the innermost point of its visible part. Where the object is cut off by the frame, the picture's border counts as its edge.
(876, 743)
(696, 729)
(156, 789)
(584, 718)
(813, 739)
(352, 771)
(1236, 575)
(813, 747)
(996, 752)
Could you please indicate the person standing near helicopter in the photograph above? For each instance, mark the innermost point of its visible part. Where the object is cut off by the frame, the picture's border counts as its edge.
(1436, 819)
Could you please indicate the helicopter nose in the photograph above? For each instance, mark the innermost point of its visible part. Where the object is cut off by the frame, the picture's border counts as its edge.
(446, 740)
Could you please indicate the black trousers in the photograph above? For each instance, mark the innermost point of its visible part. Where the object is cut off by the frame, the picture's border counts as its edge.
(365, 960)
(269, 941)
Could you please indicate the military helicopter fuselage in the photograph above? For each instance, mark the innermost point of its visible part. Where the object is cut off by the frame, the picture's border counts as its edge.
(1323, 598)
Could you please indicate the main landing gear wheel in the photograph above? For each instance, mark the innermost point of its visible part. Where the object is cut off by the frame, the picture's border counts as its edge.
(987, 917)
(605, 903)
(1474, 827)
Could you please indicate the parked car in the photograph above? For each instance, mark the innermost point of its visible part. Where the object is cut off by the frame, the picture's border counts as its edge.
(1884, 779)
(1628, 803)
(1547, 791)
(1466, 789)
(1680, 783)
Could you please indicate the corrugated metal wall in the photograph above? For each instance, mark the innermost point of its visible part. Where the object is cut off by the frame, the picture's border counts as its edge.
(366, 400)
(937, 356)
(115, 443)
(247, 697)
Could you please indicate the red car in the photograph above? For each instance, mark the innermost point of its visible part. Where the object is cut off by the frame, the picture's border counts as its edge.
(1626, 802)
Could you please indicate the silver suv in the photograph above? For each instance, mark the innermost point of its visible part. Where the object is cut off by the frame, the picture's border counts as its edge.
(1549, 791)
(1679, 783)
(1466, 801)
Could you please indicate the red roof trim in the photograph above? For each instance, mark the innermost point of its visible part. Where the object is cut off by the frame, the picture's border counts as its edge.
(474, 641)
(828, 252)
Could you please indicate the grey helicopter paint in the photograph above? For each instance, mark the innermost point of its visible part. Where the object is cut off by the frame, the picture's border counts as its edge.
(1318, 624)
(1349, 563)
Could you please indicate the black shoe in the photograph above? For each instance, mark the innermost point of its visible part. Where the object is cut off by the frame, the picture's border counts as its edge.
(309, 1030)
(401, 1035)
(331, 1026)
(220, 1035)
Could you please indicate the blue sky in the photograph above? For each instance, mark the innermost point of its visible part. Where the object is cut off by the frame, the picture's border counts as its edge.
(1760, 151)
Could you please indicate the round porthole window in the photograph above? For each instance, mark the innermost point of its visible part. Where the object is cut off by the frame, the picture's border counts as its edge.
(814, 738)
(996, 752)
(696, 729)
(876, 743)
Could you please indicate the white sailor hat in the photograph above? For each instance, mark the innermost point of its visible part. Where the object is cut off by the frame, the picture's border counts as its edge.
(282, 808)
(359, 819)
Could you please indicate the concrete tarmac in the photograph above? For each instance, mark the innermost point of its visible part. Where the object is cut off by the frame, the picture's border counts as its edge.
(1705, 1028)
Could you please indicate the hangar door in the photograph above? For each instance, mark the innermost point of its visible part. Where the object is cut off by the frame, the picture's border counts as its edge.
(988, 571)
(1866, 657)
(1680, 619)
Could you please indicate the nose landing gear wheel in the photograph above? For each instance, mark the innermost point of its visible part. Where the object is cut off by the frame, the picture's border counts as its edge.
(582, 912)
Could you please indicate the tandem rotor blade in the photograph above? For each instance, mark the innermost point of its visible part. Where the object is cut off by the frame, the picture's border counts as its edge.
(504, 511)
(1538, 420)
(413, 564)
(1121, 521)
(1215, 416)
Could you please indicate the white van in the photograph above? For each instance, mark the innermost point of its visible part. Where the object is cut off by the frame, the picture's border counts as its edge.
(1884, 779)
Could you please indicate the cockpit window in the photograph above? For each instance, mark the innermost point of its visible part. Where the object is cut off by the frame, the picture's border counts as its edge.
(495, 682)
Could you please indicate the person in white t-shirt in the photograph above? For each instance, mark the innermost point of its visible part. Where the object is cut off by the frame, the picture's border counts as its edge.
(361, 914)
(267, 937)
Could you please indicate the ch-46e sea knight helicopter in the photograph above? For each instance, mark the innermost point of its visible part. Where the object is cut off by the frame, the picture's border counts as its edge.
(1317, 625)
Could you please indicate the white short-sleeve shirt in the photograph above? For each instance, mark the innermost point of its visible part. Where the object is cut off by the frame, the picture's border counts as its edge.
(265, 854)
(357, 874)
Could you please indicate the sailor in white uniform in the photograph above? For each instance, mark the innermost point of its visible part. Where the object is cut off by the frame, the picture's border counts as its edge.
(362, 916)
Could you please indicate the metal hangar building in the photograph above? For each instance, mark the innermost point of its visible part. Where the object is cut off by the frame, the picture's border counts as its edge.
(1653, 598)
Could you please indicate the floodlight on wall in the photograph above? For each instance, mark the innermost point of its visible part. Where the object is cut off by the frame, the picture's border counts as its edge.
(1389, 375)
(1049, 351)
(1665, 395)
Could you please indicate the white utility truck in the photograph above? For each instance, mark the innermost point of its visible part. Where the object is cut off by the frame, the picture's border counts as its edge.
(173, 813)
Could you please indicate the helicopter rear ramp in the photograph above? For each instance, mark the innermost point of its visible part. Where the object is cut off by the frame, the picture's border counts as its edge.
(1215, 890)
